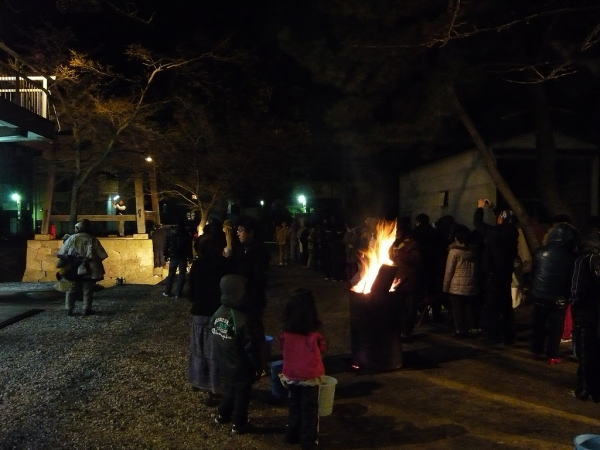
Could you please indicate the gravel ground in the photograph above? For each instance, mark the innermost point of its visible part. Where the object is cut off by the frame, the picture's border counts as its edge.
(117, 379)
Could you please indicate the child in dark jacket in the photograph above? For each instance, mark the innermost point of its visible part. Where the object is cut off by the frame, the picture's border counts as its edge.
(302, 346)
(238, 342)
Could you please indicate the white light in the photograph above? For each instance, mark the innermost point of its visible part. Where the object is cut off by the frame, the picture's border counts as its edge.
(262, 203)
(302, 199)
(148, 159)
(16, 197)
(116, 197)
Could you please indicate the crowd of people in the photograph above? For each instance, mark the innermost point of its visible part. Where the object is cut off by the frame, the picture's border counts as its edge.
(443, 271)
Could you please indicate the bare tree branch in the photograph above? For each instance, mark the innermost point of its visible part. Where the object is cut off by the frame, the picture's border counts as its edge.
(130, 10)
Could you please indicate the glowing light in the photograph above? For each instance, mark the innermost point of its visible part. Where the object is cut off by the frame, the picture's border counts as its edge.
(376, 255)
(15, 197)
(262, 203)
(148, 159)
(302, 199)
(116, 197)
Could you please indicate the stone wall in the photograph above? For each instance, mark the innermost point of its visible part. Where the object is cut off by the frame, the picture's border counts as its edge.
(129, 257)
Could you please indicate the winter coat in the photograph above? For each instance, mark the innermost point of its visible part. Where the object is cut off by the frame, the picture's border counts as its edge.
(237, 337)
(585, 291)
(553, 264)
(302, 355)
(461, 273)
(178, 245)
(499, 249)
(251, 260)
(205, 276)
(83, 254)
(585, 285)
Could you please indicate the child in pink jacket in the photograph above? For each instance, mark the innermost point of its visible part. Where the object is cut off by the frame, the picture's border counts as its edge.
(302, 346)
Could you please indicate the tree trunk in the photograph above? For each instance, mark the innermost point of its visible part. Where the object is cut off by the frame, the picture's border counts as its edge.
(73, 207)
(496, 176)
(546, 162)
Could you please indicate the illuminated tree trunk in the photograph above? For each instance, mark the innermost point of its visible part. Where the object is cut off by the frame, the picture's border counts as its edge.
(490, 163)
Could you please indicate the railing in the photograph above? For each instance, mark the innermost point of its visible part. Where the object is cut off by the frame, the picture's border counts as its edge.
(29, 92)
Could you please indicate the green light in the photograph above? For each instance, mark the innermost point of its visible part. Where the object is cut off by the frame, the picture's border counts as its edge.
(302, 199)
(16, 197)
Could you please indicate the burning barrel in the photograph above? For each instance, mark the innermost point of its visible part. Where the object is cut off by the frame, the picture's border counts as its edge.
(375, 336)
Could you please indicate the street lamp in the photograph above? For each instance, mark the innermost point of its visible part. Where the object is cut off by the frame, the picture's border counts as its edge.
(302, 200)
(16, 197)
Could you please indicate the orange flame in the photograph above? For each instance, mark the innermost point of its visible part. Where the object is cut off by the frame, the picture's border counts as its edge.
(376, 255)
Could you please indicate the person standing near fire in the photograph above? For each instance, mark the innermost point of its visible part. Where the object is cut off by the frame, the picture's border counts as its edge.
(408, 260)
(302, 346)
(498, 257)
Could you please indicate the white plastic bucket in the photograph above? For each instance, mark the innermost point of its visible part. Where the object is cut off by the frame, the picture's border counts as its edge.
(587, 442)
(326, 395)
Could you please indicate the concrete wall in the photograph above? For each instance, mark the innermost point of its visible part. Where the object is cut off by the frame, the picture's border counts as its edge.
(462, 176)
(130, 258)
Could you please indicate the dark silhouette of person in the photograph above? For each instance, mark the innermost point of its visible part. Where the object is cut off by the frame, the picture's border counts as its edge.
(178, 250)
(498, 256)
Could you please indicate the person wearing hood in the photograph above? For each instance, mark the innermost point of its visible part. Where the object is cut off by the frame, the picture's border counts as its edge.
(550, 289)
(460, 280)
(585, 294)
(82, 253)
(238, 345)
(497, 262)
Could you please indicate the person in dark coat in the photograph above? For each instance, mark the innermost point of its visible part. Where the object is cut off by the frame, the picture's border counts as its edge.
(251, 260)
(585, 294)
(205, 275)
(178, 251)
(238, 343)
(432, 246)
(408, 261)
(550, 288)
(159, 240)
(498, 256)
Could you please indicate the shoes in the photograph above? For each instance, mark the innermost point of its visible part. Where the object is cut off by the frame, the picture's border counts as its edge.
(241, 429)
(164, 294)
(553, 361)
(219, 419)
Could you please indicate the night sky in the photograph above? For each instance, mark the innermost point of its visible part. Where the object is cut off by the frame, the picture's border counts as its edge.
(365, 80)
